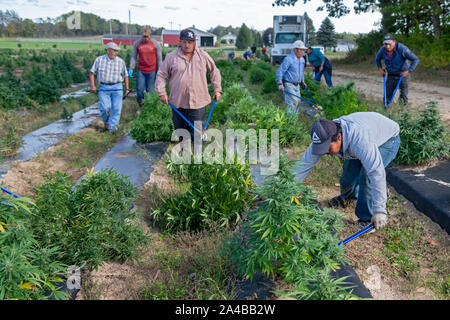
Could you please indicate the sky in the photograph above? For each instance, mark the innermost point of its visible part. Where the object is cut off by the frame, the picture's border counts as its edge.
(204, 14)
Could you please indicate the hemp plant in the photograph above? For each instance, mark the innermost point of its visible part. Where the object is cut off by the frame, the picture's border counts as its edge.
(217, 195)
(27, 269)
(288, 235)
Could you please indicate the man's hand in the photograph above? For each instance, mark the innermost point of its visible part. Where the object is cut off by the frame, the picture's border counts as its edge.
(130, 73)
(303, 84)
(164, 99)
(382, 71)
(93, 90)
(127, 92)
(321, 68)
(405, 73)
(379, 220)
(281, 87)
(217, 96)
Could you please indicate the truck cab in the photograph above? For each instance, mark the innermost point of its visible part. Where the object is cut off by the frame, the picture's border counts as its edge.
(286, 29)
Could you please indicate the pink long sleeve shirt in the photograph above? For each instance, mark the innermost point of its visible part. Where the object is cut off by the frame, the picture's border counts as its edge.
(187, 79)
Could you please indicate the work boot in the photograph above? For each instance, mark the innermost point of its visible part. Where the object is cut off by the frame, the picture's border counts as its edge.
(106, 126)
(339, 201)
(138, 112)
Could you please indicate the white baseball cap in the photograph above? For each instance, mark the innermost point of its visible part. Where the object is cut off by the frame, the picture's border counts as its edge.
(112, 45)
(299, 45)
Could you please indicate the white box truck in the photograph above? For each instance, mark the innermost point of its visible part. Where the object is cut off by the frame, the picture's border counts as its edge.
(286, 30)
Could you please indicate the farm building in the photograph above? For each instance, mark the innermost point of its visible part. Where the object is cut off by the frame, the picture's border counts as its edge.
(229, 38)
(344, 45)
(202, 38)
(123, 39)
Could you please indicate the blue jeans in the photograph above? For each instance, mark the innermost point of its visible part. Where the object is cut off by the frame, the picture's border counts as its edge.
(144, 82)
(327, 71)
(291, 101)
(354, 181)
(110, 104)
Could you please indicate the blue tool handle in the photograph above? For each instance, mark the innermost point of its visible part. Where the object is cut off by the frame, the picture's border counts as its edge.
(13, 194)
(384, 91)
(299, 97)
(310, 95)
(184, 118)
(10, 192)
(113, 90)
(395, 91)
(210, 113)
(356, 235)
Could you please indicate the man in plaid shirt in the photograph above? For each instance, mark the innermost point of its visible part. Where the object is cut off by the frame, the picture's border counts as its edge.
(110, 71)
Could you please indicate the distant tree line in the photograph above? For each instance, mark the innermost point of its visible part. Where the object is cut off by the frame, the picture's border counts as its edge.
(12, 25)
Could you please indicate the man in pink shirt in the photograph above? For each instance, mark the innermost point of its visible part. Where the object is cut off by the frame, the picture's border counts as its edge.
(150, 59)
(185, 69)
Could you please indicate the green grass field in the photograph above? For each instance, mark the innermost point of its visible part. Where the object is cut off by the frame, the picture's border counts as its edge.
(10, 43)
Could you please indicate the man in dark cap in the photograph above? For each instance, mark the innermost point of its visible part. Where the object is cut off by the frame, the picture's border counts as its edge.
(396, 56)
(368, 142)
(186, 69)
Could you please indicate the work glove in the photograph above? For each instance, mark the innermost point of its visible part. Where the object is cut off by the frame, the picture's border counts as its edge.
(281, 87)
(130, 73)
(379, 220)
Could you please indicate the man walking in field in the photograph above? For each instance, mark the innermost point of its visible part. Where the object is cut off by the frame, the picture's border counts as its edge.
(150, 59)
(396, 56)
(289, 76)
(368, 142)
(185, 69)
(111, 71)
(321, 65)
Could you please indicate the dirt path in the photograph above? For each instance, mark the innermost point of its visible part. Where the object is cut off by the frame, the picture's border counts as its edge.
(419, 93)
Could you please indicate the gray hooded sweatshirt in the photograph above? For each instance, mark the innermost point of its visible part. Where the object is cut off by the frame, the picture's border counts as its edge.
(362, 134)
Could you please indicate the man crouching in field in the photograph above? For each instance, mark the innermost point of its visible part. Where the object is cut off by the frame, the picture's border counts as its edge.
(111, 72)
(368, 142)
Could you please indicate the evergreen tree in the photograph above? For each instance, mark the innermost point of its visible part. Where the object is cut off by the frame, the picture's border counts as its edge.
(326, 35)
(244, 38)
(268, 37)
(310, 31)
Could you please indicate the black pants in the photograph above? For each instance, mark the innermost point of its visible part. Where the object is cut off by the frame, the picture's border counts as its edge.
(192, 115)
(391, 84)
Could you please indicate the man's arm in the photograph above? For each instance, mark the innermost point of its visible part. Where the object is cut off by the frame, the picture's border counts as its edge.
(282, 70)
(305, 164)
(159, 59)
(378, 61)
(92, 82)
(162, 76)
(92, 72)
(134, 55)
(408, 54)
(215, 76)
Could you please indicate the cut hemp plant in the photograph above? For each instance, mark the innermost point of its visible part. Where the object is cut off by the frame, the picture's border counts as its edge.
(289, 236)
(216, 196)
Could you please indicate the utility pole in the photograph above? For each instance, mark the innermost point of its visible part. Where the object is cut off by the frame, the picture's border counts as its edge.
(179, 26)
(171, 24)
(110, 27)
